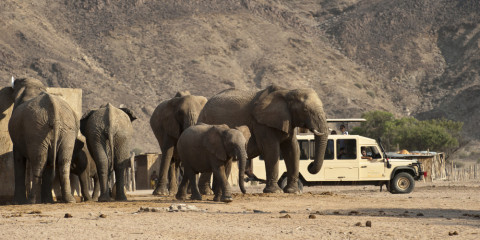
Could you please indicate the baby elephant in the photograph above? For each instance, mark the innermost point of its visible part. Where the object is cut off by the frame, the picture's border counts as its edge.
(211, 148)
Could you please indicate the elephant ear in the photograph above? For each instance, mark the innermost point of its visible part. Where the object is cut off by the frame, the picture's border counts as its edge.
(84, 120)
(213, 142)
(272, 110)
(130, 113)
(202, 100)
(167, 119)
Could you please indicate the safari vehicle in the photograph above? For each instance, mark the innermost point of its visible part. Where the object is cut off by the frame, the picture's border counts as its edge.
(345, 165)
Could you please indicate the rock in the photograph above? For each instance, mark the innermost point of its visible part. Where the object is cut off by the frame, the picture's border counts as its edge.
(311, 216)
(452, 233)
(68, 215)
(420, 214)
(368, 224)
(103, 216)
(358, 224)
(286, 216)
(283, 211)
(35, 212)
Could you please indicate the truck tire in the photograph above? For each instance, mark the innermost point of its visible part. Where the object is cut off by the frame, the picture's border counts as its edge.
(282, 182)
(402, 183)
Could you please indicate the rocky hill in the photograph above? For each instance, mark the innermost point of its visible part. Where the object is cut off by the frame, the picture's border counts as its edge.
(408, 57)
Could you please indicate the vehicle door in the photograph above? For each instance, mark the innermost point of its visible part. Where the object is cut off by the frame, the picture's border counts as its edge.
(372, 167)
(345, 165)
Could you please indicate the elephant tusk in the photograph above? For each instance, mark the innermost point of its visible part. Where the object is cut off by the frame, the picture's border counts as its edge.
(13, 81)
(317, 133)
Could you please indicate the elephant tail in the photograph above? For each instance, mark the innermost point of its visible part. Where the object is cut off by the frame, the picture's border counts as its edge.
(110, 134)
(54, 122)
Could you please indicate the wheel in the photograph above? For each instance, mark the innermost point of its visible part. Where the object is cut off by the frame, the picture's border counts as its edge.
(402, 183)
(283, 182)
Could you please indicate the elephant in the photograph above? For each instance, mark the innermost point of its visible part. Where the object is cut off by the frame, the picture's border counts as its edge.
(168, 121)
(207, 148)
(108, 131)
(84, 167)
(272, 114)
(43, 129)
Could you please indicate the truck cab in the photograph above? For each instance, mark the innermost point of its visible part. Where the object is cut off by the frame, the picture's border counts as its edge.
(345, 164)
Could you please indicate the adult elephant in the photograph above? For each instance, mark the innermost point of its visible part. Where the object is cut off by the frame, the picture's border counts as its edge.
(168, 121)
(206, 148)
(43, 129)
(272, 115)
(108, 131)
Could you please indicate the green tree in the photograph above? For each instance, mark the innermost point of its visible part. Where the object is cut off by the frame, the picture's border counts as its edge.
(410, 133)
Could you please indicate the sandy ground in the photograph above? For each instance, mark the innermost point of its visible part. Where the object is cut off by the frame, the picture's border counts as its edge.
(439, 210)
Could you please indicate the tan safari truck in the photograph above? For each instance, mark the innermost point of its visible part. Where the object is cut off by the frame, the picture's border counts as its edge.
(344, 164)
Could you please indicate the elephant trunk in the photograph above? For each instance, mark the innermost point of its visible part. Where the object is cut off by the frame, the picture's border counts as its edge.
(242, 161)
(321, 139)
(189, 120)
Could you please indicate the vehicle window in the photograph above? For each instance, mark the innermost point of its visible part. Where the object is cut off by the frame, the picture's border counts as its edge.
(304, 149)
(375, 153)
(346, 149)
(329, 152)
(372, 152)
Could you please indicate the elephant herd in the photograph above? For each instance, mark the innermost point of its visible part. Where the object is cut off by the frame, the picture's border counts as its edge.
(203, 136)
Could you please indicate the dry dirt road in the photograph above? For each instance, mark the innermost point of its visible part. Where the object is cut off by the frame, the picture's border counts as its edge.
(439, 210)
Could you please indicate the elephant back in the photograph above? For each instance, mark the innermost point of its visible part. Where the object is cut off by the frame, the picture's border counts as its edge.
(231, 107)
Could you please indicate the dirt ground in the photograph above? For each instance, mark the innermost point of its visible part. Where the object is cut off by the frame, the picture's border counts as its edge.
(439, 210)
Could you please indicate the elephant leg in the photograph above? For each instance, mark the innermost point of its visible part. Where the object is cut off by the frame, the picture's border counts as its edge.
(101, 161)
(271, 154)
(47, 184)
(291, 155)
(204, 183)
(64, 157)
(217, 186)
(19, 165)
(120, 183)
(172, 176)
(37, 163)
(167, 154)
(222, 182)
(84, 186)
(182, 189)
(96, 188)
(191, 175)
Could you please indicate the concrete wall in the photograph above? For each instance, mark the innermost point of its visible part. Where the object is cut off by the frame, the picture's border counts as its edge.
(6, 156)
(72, 96)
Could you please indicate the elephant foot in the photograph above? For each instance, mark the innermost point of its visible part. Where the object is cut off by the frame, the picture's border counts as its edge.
(227, 199)
(179, 196)
(205, 190)
(69, 199)
(121, 197)
(272, 189)
(173, 190)
(288, 189)
(216, 198)
(104, 198)
(160, 191)
(196, 197)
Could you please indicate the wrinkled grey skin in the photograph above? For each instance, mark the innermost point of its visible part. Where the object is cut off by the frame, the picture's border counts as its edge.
(207, 148)
(43, 129)
(272, 115)
(108, 131)
(168, 121)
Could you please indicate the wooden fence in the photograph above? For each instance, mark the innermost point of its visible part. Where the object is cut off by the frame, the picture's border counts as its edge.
(464, 173)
